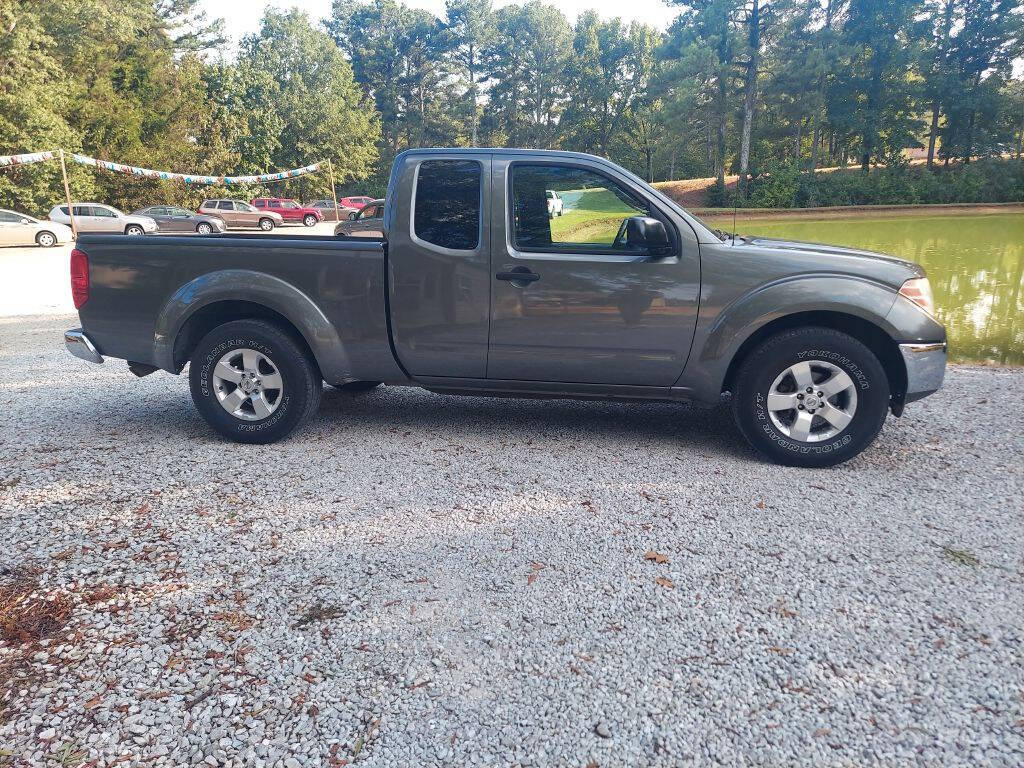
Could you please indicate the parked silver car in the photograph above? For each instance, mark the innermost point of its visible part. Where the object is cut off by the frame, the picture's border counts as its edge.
(22, 229)
(96, 217)
(170, 218)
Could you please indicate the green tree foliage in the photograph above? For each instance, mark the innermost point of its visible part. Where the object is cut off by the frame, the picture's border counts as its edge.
(310, 107)
(767, 89)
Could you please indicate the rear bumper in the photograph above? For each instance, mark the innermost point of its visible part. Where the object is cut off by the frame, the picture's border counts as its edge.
(80, 345)
(926, 368)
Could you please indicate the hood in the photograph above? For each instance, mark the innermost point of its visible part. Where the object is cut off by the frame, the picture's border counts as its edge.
(834, 258)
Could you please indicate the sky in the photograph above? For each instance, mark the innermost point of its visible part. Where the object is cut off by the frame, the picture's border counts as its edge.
(243, 16)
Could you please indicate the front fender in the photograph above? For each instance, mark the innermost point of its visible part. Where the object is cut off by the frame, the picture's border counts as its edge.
(254, 287)
(722, 331)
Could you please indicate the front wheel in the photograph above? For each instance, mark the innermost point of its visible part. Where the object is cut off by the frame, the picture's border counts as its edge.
(134, 230)
(204, 228)
(810, 397)
(309, 220)
(266, 224)
(46, 239)
(252, 382)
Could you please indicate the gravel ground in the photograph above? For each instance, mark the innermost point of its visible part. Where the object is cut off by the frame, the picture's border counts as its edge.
(427, 580)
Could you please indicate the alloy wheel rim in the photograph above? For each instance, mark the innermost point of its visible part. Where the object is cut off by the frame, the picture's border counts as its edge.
(46, 239)
(205, 229)
(812, 401)
(248, 384)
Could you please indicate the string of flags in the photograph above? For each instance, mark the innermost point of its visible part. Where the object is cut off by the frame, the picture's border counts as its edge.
(187, 178)
(31, 157)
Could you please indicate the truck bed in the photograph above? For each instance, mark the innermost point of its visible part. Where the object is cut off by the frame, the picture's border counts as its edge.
(142, 288)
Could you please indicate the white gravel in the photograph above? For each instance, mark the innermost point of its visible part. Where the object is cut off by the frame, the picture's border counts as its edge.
(426, 580)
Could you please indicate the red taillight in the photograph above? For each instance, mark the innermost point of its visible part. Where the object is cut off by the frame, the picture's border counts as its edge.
(79, 277)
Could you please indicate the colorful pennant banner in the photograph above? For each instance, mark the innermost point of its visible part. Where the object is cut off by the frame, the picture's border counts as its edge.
(190, 178)
(32, 157)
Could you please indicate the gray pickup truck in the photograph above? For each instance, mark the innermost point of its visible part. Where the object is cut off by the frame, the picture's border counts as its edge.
(475, 289)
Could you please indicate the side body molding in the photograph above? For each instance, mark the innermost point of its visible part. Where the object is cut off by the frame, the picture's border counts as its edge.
(722, 329)
(259, 288)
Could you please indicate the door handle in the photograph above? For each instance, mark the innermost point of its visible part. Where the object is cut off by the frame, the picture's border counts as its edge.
(518, 275)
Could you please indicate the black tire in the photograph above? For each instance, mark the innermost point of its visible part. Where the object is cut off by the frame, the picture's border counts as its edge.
(266, 224)
(299, 395)
(309, 220)
(134, 230)
(758, 372)
(46, 239)
(358, 386)
(204, 228)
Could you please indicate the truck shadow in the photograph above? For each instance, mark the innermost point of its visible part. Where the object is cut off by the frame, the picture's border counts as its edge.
(669, 425)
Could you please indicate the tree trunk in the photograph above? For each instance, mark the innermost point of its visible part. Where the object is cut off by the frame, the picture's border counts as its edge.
(472, 93)
(749, 90)
(814, 144)
(933, 132)
(723, 101)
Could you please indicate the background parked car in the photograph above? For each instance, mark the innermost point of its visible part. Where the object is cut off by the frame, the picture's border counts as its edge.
(97, 217)
(326, 209)
(22, 229)
(554, 203)
(369, 222)
(289, 210)
(172, 219)
(356, 202)
(238, 214)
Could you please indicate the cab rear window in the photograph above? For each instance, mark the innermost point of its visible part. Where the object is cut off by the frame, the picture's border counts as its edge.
(447, 206)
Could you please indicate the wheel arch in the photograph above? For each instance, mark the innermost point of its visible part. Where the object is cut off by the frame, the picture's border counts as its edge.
(873, 336)
(217, 298)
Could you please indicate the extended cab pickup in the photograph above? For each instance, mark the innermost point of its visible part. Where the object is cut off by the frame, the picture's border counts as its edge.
(475, 289)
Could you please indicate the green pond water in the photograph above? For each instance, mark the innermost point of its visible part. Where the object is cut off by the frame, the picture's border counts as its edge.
(975, 264)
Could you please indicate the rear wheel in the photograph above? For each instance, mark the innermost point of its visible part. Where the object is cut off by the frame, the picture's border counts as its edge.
(309, 220)
(252, 382)
(266, 224)
(46, 239)
(810, 397)
(204, 228)
(134, 230)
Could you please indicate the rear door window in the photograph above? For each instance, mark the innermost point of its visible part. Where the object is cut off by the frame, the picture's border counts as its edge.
(447, 206)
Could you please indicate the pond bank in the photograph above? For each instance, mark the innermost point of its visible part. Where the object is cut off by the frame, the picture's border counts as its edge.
(860, 211)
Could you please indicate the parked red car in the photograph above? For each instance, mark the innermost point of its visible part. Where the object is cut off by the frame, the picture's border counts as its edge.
(289, 210)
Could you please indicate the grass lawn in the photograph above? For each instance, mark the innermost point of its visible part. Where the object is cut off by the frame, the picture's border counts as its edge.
(590, 216)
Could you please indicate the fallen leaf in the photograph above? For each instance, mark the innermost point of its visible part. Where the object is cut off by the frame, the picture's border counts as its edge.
(761, 505)
(535, 568)
(94, 702)
(661, 581)
(780, 651)
(657, 557)
(822, 732)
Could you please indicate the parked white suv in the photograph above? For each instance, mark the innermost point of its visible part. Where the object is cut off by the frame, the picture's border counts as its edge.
(96, 217)
(554, 203)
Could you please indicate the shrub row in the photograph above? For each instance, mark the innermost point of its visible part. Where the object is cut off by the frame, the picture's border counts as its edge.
(786, 186)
